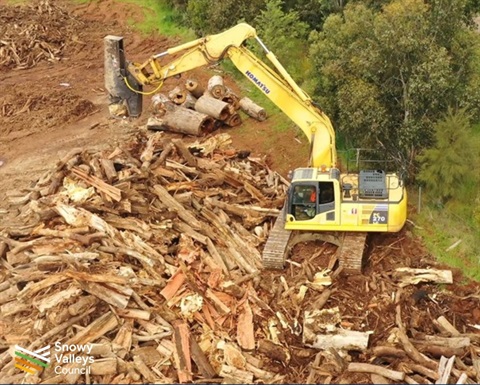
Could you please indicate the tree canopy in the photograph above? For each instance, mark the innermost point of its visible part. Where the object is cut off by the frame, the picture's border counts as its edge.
(386, 76)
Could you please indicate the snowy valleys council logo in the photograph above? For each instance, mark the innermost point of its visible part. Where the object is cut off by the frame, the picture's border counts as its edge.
(31, 362)
(67, 359)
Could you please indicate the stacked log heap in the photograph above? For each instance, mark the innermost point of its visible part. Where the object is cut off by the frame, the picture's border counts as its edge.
(195, 110)
(148, 256)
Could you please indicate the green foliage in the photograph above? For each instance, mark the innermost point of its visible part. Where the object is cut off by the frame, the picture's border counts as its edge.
(159, 17)
(210, 16)
(447, 166)
(285, 35)
(314, 12)
(386, 76)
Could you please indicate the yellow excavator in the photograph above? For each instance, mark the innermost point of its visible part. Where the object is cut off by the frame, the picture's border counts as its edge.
(322, 202)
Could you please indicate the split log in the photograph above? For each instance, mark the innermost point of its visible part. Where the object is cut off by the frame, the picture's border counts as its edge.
(104, 366)
(444, 370)
(201, 359)
(170, 202)
(216, 87)
(177, 95)
(274, 351)
(245, 329)
(95, 330)
(381, 371)
(407, 276)
(194, 87)
(212, 107)
(181, 338)
(109, 190)
(445, 326)
(252, 109)
(182, 120)
(144, 370)
(233, 375)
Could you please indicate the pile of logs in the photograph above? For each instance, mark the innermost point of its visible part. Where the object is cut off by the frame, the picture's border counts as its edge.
(149, 255)
(193, 110)
(33, 33)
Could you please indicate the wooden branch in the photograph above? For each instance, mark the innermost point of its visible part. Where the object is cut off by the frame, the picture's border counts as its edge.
(375, 369)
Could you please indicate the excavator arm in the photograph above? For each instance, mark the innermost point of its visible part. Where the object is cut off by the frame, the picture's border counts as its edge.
(277, 85)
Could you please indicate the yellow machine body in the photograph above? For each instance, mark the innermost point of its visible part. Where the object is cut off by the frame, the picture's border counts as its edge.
(335, 208)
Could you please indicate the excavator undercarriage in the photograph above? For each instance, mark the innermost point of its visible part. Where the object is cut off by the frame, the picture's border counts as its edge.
(351, 245)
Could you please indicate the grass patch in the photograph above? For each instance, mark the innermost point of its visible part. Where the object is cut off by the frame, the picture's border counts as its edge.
(442, 227)
(158, 18)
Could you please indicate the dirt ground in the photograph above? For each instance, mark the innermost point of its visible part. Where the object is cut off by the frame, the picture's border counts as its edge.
(59, 103)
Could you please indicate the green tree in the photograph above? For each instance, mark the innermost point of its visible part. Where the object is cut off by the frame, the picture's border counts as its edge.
(285, 35)
(210, 16)
(385, 76)
(314, 12)
(447, 166)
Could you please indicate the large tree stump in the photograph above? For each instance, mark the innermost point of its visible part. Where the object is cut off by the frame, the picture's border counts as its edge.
(182, 120)
(213, 107)
(216, 87)
(252, 109)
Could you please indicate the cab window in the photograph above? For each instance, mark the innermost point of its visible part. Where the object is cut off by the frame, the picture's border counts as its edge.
(304, 202)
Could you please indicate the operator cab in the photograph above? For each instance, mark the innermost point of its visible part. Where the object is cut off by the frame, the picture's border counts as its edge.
(312, 193)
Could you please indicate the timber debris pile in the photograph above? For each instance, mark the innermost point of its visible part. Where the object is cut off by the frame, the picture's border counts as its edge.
(36, 32)
(195, 110)
(148, 255)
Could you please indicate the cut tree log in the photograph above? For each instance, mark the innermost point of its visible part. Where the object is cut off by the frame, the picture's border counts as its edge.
(212, 107)
(189, 101)
(177, 95)
(233, 120)
(194, 87)
(252, 109)
(216, 87)
(182, 120)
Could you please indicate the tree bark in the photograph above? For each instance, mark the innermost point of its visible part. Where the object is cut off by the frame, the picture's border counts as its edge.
(216, 87)
(213, 107)
(194, 87)
(182, 120)
(252, 109)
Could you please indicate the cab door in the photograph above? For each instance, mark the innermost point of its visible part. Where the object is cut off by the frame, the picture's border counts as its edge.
(326, 202)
